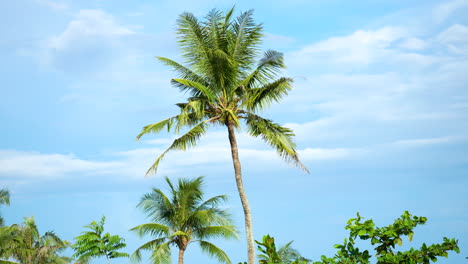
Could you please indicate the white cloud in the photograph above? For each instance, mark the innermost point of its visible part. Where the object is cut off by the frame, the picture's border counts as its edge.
(413, 44)
(443, 11)
(427, 141)
(90, 41)
(52, 4)
(88, 24)
(455, 38)
(361, 48)
(39, 165)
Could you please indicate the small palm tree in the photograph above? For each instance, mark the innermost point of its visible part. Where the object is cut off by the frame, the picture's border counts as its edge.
(181, 219)
(226, 86)
(285, 255)
(27, 246)
(93, 243)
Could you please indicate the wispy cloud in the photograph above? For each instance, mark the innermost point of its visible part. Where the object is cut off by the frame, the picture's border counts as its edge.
(427, 141)
(52, 4)
(444, 10)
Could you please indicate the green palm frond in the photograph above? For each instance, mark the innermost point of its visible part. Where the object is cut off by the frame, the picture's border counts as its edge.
(279, 137)
(246, 38)
(183, 72)
(261, 97)
(157, 127)
(195, 88)
(149, 246)
(7, 262)
(214, 251)
(184, 142)
(268, 68)
(152, 229)
(224, 231)
(212, 202)
(192, 38)
(161, 254)
(4, 196)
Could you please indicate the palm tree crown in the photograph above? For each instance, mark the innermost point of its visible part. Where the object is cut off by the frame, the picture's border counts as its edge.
(181, 219)
(224, 83)
(27, 246)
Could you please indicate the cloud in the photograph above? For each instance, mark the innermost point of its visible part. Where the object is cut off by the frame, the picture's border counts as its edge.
(52, 4)
(420, 142)
(88, 42)
(443, 11)
(36, 165)
(455, 39)
(361, 48)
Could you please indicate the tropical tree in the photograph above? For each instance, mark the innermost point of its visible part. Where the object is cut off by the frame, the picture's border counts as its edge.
(285, 255)
(27, 246)
(94, 243)
(384, 240)
(227, 87)
(181, 219)
(4, 199)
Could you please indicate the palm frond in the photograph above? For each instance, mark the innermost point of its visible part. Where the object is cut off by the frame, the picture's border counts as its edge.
(247, 37)
(153, 245)
(280, 138)
(162, 254)
(184, 142)
(192, 38)
(4, 196)
(153, 229)
(195, 88)
(268, 68)
(226, 232)
(157, 127)
(214, 251)
(183, 72)
(259, 98)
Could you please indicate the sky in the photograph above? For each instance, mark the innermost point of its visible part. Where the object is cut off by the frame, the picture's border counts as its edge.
(379, 108)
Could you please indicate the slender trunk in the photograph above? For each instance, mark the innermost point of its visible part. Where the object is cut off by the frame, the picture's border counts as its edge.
(242, 194)
(108, 260)
(181, 256)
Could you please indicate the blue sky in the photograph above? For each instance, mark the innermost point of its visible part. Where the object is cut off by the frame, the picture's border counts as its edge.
(379, 108)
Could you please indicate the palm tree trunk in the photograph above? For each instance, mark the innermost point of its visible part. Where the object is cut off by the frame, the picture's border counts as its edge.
(181, 256)
(242, 194)
(108, 260)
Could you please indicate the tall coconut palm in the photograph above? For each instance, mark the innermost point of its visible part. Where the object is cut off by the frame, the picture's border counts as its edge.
(94, 243)
(226, 87)
(4, 199)
(181, 219)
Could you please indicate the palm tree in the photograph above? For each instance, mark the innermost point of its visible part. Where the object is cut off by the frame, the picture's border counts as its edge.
(4, 199)
(94, 243)
(27, 246)
(285, 255)
(226, 87)
(181, 219)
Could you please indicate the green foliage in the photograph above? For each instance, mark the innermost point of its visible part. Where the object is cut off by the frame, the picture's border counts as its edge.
(224, 83)
(285, 255)
(4, 199)
(24, 244)
(182, 218)
(384, 240)
(94, 243)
